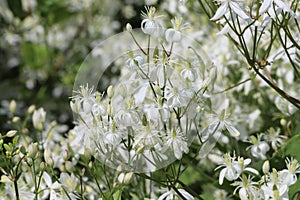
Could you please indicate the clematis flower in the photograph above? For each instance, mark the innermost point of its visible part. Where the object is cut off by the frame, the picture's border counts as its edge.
(258, 148)
(150, 25)
(225, 8)
(289, 175)
(267, 4)
(174, 34)
(38, 118)
(177, 142)
(232, 169)
(273, 136)
(136, 62)
(247, 188)
(274, 188)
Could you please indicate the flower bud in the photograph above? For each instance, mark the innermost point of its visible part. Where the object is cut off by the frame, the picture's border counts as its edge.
(32, 150)
(140, 149)
(38, 118)
(15, 119)
(157, 90)
(90, 164)
(48, 157)
(283, 122)
(31, 109)
(69, 166)
(12, 107)
(119, 168)
(11, 133)
(128, 177)
(266, 167)
(42, 166)
(110, 91)
(128, 27)
(65, 155)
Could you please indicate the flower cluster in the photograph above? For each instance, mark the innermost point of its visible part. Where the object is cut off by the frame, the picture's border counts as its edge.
(272, 185)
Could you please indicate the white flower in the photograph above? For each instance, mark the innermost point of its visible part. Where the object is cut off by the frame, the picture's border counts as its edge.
(53, 188)
(189, 74)
(258, 148)
(247, 188)
(221, 121)
(174, 34)
(177, 142)
(171, 195)
(38, 118)
(135, 63)
(225, 8)
(232, 169)
(274, 188)
(83, 100)
(150, 25)
(273, 136)
(267, 4)
(289, 175)
(178, 97)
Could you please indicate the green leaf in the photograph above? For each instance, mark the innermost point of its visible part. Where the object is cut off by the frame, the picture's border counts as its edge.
(15, 140)
(290, 149)
(7, 147)
(117, 195)
(294, 190)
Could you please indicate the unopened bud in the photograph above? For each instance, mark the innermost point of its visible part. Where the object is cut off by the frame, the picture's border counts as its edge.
(69, 166)
(110, 91)
(90, 164)
(12, 107)
(283, 122)
(31, 109)
(140, 149)
(48, 157)
(128, 27)
(119, 168)
(128, 177)
(65, 155)
(11, 133)
(266, 167)
(83, 171)
(42, 166)
(15, 119)
(157, 90)
(32, 150)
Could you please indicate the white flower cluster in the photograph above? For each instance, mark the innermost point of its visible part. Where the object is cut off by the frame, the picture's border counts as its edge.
(236, 14)
(146, 121)
(272, 185)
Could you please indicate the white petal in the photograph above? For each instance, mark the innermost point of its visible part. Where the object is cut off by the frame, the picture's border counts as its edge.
(282, 5)
(265, 6)
(47, 179)
(220, 12)
(172, 35)
(243, 194)
(187, 195)
(239, 11)
(222, 175)
(254, 171)
(233, 131)
(224, 30)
